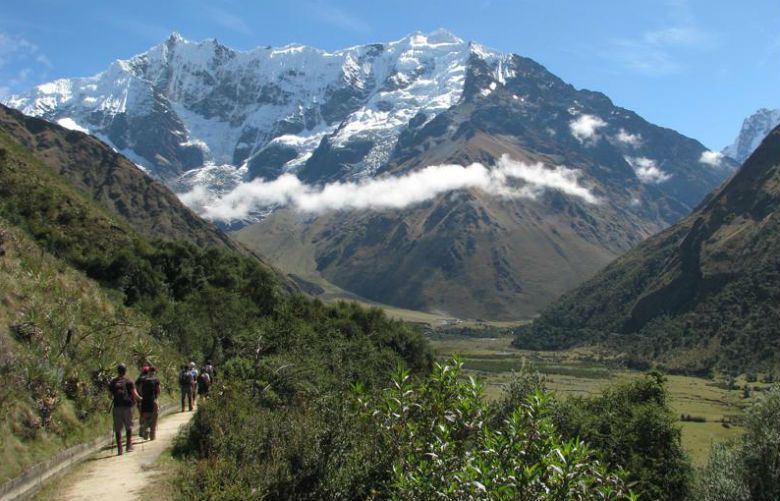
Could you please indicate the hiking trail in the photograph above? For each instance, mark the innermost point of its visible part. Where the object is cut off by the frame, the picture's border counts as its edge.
(108, 476)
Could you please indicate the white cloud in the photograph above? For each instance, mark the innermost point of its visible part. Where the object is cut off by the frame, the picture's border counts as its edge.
(508, 178)
(71, 124)
(628, 138)
(14, 48)
(229, 20)
(330, 14)
(659, 52)
(711, 158)
(584, 127)
(647, 171)
(21, 62)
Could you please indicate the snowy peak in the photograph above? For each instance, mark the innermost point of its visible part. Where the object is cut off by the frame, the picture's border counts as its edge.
(265, 110)
(754, 129)
(197, 114)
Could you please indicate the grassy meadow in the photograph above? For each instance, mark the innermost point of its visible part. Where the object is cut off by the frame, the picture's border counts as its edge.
(583, 372)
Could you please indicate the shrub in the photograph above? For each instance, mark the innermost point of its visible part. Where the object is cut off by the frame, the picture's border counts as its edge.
(441, 445)
(631, 425)
(749, 467)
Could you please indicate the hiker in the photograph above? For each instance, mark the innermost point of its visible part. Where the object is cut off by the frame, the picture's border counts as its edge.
(124, 396)
(150, 390)
(194, 371)
(138, 385)
(204, 383)
(185, 384)
(212, 372)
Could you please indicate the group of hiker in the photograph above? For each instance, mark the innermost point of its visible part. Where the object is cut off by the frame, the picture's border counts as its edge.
(144, 393)
(194, 383)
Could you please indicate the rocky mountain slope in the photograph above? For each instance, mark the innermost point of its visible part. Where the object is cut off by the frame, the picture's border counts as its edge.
(581, 180)
(754, 130)
(702, 294)
(112, 180)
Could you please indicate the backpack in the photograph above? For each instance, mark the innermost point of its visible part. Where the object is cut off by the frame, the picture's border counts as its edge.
(185, 378)
(204, 381)
(148, 385)
(122, 397)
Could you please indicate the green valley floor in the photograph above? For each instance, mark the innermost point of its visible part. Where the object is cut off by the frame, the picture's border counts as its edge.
(714, 404)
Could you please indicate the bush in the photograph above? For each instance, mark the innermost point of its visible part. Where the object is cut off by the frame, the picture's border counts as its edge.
(631, 425)
(748, 468)
(441, 446)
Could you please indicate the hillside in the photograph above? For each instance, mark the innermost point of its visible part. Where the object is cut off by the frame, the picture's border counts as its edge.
(589, 179)
(60, 336)
(80, 290)
(111, 179)
(701, 295)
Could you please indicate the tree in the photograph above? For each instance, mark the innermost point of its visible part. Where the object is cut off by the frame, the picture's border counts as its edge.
(749, 467)
(441, 446)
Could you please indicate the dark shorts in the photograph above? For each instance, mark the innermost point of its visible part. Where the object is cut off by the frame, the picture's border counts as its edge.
(123, 418)
(148, 405)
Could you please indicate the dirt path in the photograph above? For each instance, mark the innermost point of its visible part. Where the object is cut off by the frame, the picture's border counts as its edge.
(108, 476)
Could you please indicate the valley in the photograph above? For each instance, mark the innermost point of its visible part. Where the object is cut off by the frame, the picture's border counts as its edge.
(390, 265)
(587, 372)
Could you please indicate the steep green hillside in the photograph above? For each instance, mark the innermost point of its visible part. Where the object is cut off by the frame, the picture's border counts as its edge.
(80, 290)
(701, 295)
(61, 335)
(112, 180)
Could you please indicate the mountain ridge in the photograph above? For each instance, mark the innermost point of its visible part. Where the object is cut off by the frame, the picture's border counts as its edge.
(346, 119)
(754, 129)
(696, 297)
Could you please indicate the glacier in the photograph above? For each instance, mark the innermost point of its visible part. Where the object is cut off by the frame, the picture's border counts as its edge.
(201, 114)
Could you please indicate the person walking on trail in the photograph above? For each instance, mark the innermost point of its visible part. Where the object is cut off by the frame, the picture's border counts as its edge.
(204, 383)
(124, 396)
(185, 384)
(195, 373)
(212, 372)
(150, 390)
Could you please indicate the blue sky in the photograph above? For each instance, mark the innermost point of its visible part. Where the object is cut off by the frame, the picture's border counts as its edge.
(697, 66)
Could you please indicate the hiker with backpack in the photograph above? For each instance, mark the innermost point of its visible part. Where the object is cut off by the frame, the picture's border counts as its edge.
(212, 372)
(195, 373)
(204, 383)
(185, 384)
(149, 386)
(124, 395)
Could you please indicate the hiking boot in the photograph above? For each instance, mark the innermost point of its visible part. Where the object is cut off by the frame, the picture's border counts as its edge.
(129, 447)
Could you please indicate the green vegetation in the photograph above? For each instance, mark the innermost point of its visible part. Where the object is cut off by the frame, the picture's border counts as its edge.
(280, 425)
(445, 442)
(432, 437)
(588, 372)
(60, 337)
(632, 426)
(699, 298)
(159, 301)
(748, 468)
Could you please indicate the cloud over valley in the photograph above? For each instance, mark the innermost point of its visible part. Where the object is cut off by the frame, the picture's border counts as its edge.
(507, 179)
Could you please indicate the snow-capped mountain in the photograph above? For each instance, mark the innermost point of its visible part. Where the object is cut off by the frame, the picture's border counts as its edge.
(224, 114)
(754, 129)
(596, 178)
